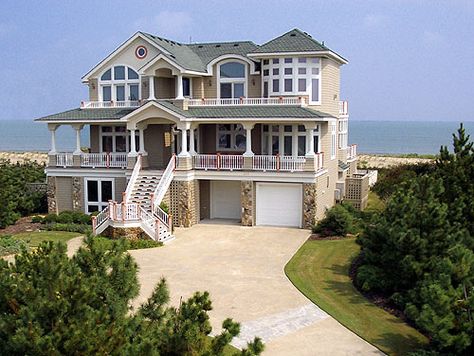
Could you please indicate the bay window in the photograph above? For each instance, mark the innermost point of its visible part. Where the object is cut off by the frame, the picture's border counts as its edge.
(119, 83)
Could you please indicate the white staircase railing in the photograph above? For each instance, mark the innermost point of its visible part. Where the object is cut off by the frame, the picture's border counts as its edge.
(164, 183)
(101, 221)
(133, 178)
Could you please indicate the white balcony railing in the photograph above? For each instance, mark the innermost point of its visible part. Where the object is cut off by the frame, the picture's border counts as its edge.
(343, 108)
(110, 104)
(318, 161)
(299, 101)
(104, 160)
(218, 162)
(351, 152)
(64, 159)
(93, 160)
(278, 163)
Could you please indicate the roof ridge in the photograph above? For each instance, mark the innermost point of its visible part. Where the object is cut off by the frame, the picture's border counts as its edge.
(223, 42)
(304, 33)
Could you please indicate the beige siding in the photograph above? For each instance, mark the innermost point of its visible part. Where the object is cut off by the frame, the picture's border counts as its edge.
(207, 136)
(325, 193)
(93, 90)
(198, 87)
(164, 88)
(145, 88)
(94, 138)
(254, 86)
(210, 85)
(64, 193)
(330, 87)
(120, 187)
(158, 154)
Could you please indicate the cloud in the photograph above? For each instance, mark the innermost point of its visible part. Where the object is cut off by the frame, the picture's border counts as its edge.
(173, 24)
(374, 20)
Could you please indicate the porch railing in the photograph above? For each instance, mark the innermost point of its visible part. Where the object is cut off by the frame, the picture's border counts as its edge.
(110, 104)
(318, 161)
(218, 162)
(247, 101)
(352, 152)
(164, 183)
(104, 160)
(64, 159)
(279, 163)
(343, 108)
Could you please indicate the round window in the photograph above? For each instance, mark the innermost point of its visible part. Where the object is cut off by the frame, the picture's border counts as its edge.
(141, 52)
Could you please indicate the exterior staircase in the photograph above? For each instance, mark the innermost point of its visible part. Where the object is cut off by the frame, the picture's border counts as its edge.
(144, 187)
(141, 204)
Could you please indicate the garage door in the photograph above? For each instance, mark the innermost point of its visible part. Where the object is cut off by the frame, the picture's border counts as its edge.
(279, 204)
(225, 200)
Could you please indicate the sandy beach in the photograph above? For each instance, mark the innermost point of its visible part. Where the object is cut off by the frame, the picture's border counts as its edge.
(371, 161)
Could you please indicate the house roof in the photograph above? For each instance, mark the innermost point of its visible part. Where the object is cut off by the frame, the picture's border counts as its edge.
(198, 112)
(342, 166)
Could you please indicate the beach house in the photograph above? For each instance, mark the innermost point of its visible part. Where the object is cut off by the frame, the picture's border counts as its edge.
(181, 133)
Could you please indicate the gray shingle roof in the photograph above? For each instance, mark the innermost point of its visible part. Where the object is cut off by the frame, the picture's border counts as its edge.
(292, 41)
(88, 114)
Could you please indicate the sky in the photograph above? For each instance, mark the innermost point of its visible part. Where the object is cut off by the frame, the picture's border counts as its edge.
(408, 59)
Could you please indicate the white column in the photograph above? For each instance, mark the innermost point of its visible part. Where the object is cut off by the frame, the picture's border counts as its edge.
(309, 142)
(52, 129)
(78, 129)
(142, 140)
(192, 151)
(184, 142)
(151, 95)
(179, 94)
(248, 140)
(133, 148)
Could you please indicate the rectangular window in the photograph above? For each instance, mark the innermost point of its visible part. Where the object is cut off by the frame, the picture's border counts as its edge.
(133, 92)
(315, 89)
(238, 90)
(107, 144)
(288, 143)
(276, 85)
(265, 89)
(226, 90)
(120, 92)
(186, 87)
(315, 71)
(98, 194)
(106, 191)
(302, 71)
(276, 60)
(231, 137)
(314, 60)
(288, 60)
(92, 191)
(302, 60)
(265, 61)
(276, 71)
(288, 71)
(106, 93)
(316, 144)
(266, 72)
(301, 84)
(288, 85)
(120, 144)
(301, 145)
(275, 145)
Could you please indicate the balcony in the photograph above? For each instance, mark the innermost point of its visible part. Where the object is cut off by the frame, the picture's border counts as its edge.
(263, 163)
(289, 101)
(351, 152)
(110, 104)
(89, 160)
(343, 108)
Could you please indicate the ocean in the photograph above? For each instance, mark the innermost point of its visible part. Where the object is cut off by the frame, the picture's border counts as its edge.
(396, 137)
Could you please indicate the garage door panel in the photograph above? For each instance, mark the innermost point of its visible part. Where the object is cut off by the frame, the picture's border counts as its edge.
(279, 204)
(225, 200)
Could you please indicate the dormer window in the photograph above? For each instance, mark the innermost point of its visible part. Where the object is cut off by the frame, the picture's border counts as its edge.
(232, 80)
(119, 83)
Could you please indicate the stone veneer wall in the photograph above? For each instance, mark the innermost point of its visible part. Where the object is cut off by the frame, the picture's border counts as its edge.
(184, 202)
(51, 195)
(309, 205)
(77, 196)
(246, 197)
(132, 233)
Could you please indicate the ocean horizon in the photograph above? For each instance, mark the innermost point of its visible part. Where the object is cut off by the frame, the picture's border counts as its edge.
(373, 137)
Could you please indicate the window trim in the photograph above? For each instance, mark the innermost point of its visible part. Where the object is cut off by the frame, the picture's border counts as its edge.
(113, 83)
(343, 130)
(232, 80)
(295, 133)
(114, 134)
(101, 205)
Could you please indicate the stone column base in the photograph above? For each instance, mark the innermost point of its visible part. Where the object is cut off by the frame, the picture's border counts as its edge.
(51, 195)
(309, 205)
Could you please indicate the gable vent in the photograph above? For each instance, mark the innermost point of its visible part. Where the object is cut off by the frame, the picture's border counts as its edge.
(293, 35)
(218, 45)
(236, 45)
(200, 46)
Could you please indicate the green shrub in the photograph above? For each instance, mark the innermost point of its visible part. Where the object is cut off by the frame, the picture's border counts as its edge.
(107, 243)
(9, 245)
(37, 219)
(338, 221)
(164, 207)
(68, 217)
(70, 227)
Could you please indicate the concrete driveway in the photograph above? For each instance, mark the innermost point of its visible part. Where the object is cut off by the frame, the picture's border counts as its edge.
(242, 268)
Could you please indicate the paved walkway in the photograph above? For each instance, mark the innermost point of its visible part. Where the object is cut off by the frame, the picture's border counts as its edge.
(242, 268)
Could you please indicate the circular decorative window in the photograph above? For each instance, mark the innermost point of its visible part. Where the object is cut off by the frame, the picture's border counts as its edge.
(141, 52)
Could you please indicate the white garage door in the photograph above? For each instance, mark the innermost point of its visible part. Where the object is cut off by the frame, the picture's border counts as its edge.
(279, 204)
(225, 200)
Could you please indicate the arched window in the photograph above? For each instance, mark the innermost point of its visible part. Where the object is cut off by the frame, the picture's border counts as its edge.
(233, 80)
(119, 83)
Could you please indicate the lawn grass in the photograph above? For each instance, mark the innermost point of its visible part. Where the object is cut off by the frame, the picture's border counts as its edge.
(33, 239)
(374, 203)
(320, 271)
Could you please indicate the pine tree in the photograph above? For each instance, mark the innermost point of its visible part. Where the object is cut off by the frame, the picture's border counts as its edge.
(53, 305)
